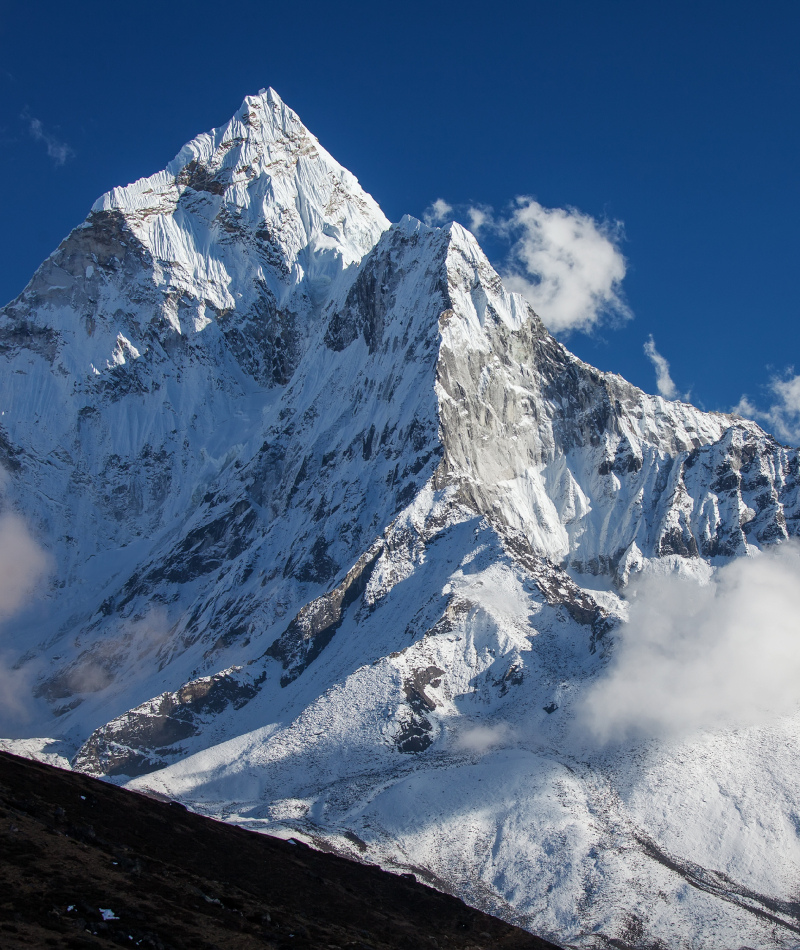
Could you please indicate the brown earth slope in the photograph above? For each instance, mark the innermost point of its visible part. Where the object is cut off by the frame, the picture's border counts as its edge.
(85, 864)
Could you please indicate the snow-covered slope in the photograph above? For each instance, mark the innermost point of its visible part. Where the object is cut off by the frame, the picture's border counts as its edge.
(339, 538)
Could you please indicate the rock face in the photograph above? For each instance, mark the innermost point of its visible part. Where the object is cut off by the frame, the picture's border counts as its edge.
(339, 534)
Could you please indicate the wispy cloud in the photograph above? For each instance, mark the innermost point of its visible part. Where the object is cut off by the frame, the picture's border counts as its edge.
(783, 416)
(666, 387)
(480, 739)
(23, 564)
(438, 212)
(479, 218)
(694, 657)
(57, 150)
(23, 567)
(97, 667)
(16, 701)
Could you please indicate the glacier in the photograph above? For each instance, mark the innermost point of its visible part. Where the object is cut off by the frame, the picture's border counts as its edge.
(339, 536)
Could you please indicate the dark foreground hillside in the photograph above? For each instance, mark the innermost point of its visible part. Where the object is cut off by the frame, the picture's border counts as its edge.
(86, 864)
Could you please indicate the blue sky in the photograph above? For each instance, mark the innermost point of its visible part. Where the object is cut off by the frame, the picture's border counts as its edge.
(678, 120)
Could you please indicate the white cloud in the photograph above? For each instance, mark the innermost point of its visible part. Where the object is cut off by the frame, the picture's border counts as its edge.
(438, 213)
(479, 739)
(695, 657)
(479, 218)
(23, 564)
(135, 638)
(15, 695)
(666, 387)
(149, 632)
(57, 150)
(783, 416)
(567, 265)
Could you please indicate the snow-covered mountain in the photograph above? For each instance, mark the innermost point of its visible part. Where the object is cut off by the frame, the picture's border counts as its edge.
(339, 536)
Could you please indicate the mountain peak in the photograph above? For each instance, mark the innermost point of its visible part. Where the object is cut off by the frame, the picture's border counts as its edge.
(266, 97)
(263, 170)
(266, 117)
(260, 119)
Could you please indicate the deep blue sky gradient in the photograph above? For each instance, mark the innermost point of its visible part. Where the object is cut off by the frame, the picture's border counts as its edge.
(679, 119)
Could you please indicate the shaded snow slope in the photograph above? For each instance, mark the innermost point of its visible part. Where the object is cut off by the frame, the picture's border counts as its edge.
(339, 536)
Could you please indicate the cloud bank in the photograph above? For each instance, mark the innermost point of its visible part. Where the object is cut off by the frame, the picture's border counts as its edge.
(783, 416)
(695, 657)
(666, 387)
